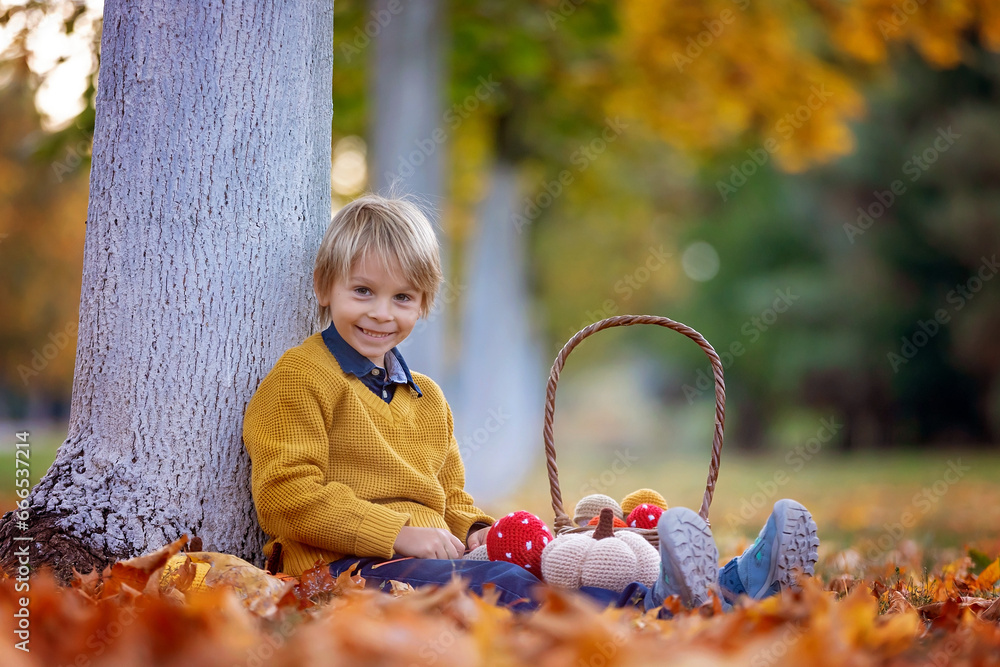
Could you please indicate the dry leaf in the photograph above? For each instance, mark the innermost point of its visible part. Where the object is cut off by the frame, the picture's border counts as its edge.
(89, 584)
(135, 572)
(182, 578)
(987, 579)
(992, 613)
(260, 591)
(345, 623)
(898, 603)
(400, 588)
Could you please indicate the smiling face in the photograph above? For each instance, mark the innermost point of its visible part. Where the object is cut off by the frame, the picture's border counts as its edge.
(374, 310)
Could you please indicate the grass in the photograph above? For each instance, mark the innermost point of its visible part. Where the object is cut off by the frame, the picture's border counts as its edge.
(43, 445)
(877, 503)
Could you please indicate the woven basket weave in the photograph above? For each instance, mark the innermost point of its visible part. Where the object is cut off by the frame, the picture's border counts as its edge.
(563, 523)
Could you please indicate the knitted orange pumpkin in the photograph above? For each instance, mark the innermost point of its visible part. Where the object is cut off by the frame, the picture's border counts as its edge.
(604, 558)
(618, 523)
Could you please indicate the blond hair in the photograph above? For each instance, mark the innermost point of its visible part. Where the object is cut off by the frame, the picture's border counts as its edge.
(393, 230)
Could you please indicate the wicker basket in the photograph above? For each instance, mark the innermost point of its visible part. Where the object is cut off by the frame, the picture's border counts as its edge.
(563, 523)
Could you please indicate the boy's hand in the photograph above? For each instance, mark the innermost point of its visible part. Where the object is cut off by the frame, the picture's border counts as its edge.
(478, 538)
(428, 543)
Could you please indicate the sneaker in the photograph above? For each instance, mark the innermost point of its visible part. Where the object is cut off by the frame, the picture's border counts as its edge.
(785, 546)
(689, 559)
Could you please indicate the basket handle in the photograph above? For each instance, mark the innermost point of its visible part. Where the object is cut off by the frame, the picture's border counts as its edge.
(563, 522)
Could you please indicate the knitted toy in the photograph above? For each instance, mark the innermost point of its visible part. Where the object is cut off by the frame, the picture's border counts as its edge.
(636, 498)
(171, 575)
(602, 558)
(644, 516)
(617, 523)
(519, 538)
(479, 553)
(591, 506)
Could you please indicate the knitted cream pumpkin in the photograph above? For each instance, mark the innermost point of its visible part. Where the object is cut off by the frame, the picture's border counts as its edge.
(479, 553)
(603, 558)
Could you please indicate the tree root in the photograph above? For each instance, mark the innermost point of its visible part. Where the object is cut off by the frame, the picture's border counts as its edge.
(47, 546)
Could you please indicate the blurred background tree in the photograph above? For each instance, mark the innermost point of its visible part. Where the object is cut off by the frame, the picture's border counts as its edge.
(699, 160)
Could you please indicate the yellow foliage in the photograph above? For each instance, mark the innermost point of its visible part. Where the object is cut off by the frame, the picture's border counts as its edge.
(866, 29)
(707, 75)
(711, 74)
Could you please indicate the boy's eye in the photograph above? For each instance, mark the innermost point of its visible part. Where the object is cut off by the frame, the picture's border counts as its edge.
(404, 297)
(364, 291)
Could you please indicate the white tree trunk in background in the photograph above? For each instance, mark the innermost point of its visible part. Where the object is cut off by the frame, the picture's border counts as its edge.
(407, 136)
(497, 382)
(209, 192)
(501, 380)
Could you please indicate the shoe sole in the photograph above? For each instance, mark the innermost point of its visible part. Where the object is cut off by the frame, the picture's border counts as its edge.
(795, 550)
(691, 553)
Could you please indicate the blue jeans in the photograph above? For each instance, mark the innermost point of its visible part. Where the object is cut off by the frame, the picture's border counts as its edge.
(517, 588)
(729, 582)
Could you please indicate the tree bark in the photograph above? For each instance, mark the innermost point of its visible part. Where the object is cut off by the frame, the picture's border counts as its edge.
(209, 193)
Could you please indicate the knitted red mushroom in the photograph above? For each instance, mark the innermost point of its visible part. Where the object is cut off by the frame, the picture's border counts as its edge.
(519, 538)
(644, 516)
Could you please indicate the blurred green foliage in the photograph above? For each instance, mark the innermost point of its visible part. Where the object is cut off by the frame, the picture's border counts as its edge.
(870, 269)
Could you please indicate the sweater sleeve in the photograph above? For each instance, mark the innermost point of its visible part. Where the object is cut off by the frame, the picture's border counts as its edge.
(460, 512)
(285, 434)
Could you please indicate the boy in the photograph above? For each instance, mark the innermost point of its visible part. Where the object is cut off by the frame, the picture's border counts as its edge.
(354, 457)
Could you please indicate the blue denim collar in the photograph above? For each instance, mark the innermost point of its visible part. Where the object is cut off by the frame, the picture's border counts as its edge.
(353, 362)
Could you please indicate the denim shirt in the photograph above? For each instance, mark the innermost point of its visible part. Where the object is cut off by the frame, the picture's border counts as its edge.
(382, 381)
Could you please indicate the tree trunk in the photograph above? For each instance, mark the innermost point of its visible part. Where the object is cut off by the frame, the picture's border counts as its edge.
(501, 380)
(407, 137)
(209, 193)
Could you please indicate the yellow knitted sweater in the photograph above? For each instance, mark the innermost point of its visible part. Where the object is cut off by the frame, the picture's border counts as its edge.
(337, 471)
